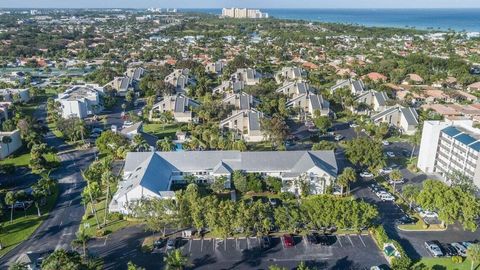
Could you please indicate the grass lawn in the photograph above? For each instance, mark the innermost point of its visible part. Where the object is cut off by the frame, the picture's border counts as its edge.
(260, 146)
(420, 225)
(23, 226)
(113, 225)
(161, 130)
(22, 158)
(444, 263)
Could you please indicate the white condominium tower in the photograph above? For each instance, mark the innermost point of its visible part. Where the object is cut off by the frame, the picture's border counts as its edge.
(450, 147)
(243, 13)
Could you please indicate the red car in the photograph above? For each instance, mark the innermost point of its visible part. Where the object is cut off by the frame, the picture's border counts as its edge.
(288, 240)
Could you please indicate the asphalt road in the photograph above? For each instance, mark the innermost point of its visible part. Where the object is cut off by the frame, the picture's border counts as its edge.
(58, 230)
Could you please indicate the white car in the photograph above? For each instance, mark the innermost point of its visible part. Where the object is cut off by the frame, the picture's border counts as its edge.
(387, 197)
(309, 124)
(353, 125)
(386, 170)
(386, 143)
(428, 214)
(338, 137)
(127, 124)
(391, 182)
(434, 248)
(461, 250)
(391, 154)
(114, 128)
(366, 174)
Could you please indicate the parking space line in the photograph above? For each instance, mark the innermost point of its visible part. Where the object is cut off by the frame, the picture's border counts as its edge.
(361, 239)
(339, 241)
(236, 243)
(350, 239)
(213, 246)
(304, 241)
(225, 244)
(247, 243)
(201, 245)
(190, 245)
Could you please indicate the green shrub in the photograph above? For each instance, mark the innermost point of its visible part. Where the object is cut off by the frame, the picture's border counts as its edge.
(457, 259)
(100, 232)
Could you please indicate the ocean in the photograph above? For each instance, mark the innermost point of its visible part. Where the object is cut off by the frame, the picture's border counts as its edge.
(426, 19)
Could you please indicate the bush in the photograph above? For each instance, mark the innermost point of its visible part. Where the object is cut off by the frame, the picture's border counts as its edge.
(401, 263)
(254, 184)
(115, 216)
(100, 233)
(274, 184)
(457, 259)
(286, 196)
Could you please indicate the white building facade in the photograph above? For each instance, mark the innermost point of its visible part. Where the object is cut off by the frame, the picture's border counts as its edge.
(80, 101)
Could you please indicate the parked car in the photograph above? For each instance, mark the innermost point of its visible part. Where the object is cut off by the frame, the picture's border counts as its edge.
(312, 239)
(448, 250)
(386, 143)
(127, 124)
(171, 244)
(385, 170)
(159, 243)
(400, 181)
(390, 154)
(428, 214)
(434, 248)
(366, 174)
(114, 128)
(326, 239)
(265, 242)
(288, 240)
(387, 197)
(97, 130)
(339, 137)
(353, 125)
(309, 124)
(274, 201)
(461, 249)
(406, 220)
(466, 244)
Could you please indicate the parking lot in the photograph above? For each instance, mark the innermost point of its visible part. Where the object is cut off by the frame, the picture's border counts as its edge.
(347, 251)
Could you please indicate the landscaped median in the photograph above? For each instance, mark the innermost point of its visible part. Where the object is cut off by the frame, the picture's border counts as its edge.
(443, 263)
(420, 225)
(24, 224)
(397, 257)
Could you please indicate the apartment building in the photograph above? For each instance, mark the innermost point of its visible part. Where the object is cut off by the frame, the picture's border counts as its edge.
(243, 13)
(151, 174)
(80, 100)
(246, 123)
(180, 106)
(450, 146)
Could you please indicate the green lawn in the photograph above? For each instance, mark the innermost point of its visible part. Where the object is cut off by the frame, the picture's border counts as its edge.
(445, 263)
(113, 225)
(23, 226)
(161, 130)
(22, 159)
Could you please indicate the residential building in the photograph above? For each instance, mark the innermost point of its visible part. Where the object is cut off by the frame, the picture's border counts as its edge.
(375, 101)
(80, 100)
(356, 86)
(14, 145)
(240, 101)
(246, 123)
(215, 67)
(179, 105)
(128, 82)
(11, 95)
(243, 13)
(405, 119)
(308, 103)
(151, 174)
(449, 147)
(290, 74)
(180, 79)
(247, 75)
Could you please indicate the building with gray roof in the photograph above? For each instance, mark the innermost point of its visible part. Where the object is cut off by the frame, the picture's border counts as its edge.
(374, 100)
(80, 100)
(246, 124)
(151, 174)
(179, 105)
(403, 118)
(356, 86)
(290, 74)
(240, 101)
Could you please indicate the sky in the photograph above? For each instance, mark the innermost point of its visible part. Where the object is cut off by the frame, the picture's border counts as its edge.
(240, 3)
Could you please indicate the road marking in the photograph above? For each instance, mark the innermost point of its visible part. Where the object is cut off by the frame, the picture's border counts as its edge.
(105, 243)
(190, 246)
(225, 245)
(305, 241)
(201, 245)
(339, 241)
(213, 239)
(247, 244)
(348, 236)
(359, 236)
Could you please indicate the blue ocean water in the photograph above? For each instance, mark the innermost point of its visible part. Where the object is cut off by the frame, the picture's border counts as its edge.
(436, 19)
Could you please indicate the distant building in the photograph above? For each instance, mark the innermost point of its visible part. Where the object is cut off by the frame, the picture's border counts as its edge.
(80, 100)
(243, 13)
(247, 75)
(405, 119)
(240, 101)
(215, 67)
(356, 86)
(376, 101)
(180, 79)
(289, 74)
(450, 147)
(303, 97)
(14, 145)
(128, 82)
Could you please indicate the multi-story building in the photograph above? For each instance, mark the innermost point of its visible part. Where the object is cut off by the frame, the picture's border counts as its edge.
(243, 13)
(180, 106)
(151, 174)
(450, 147)
(80, 100)
(14, 144)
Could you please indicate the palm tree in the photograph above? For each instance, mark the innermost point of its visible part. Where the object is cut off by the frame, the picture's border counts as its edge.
(348, 176)
(410, 193)
(91, 190)
(175, 260)
(165, 145)
(81, 240)
(39, 192)
(473, 253)
(107, 179)
(395, 175)
(10, 199)
(7, 140)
